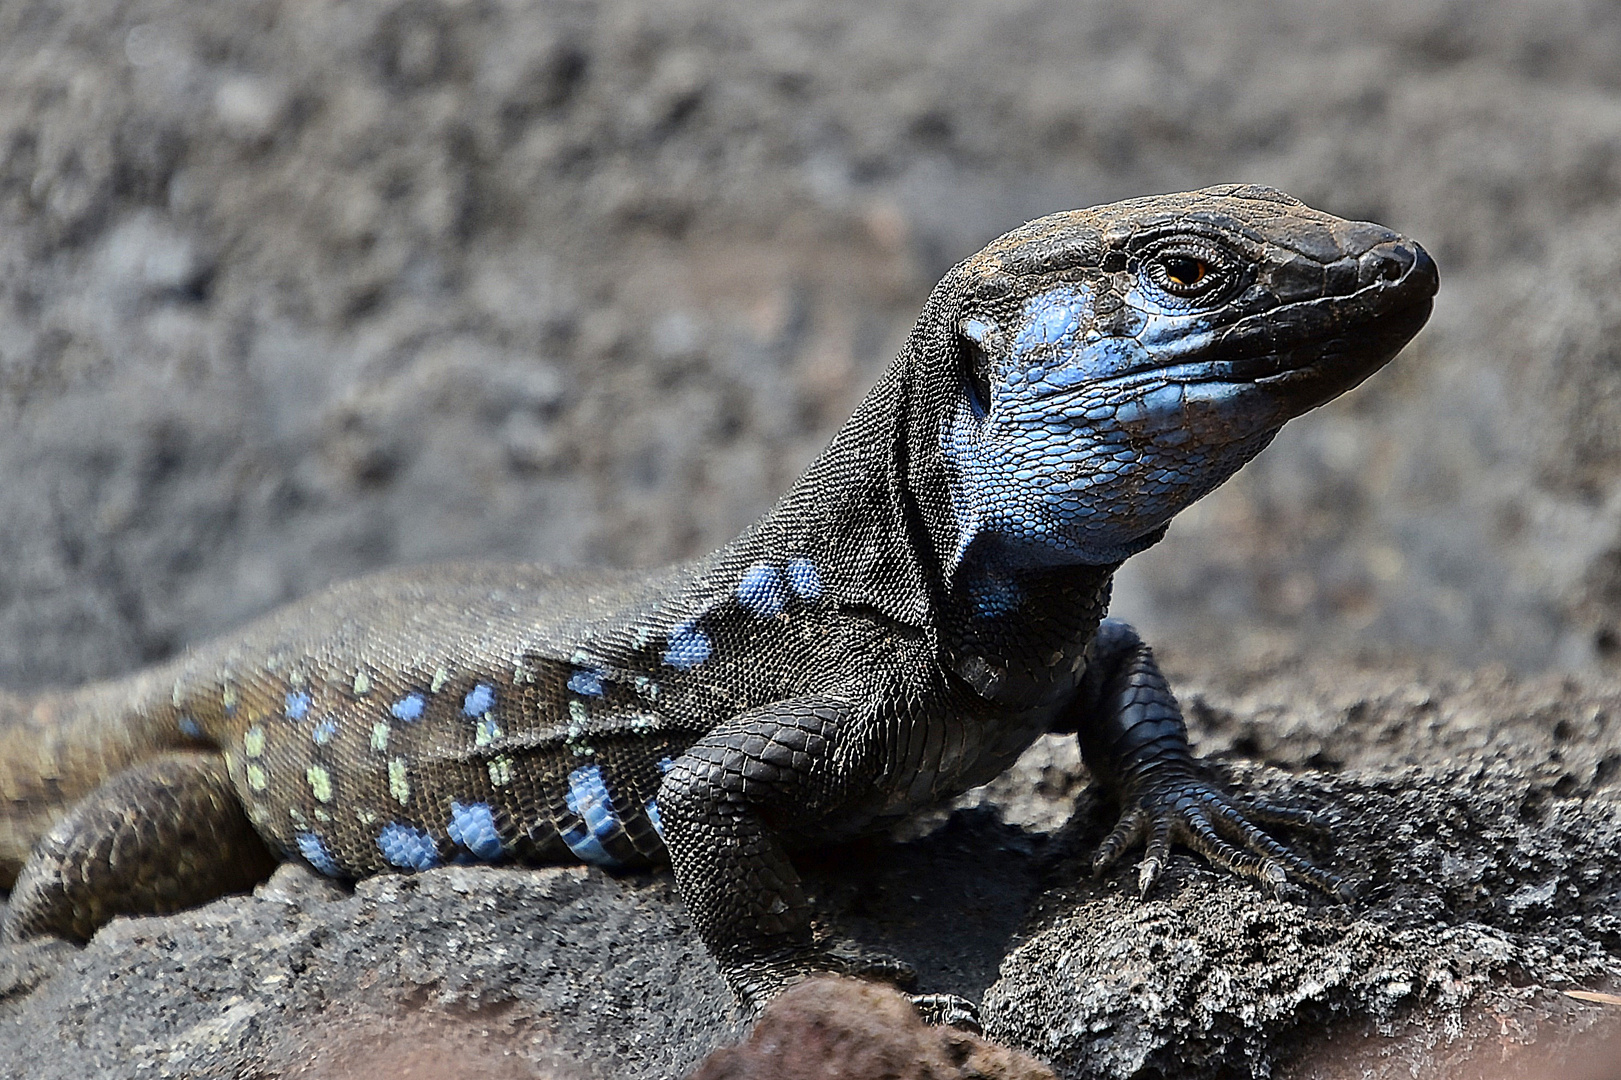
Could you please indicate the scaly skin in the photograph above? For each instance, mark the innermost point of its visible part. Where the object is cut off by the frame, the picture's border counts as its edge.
(923, 603)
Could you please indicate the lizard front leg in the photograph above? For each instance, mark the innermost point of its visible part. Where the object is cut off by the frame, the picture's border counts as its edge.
(1135, 742)
(723, 804)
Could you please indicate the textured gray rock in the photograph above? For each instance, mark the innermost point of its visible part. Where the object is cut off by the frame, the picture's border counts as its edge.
(1481, 820)
(1489, 874)
(565, 970)
(1484, 895)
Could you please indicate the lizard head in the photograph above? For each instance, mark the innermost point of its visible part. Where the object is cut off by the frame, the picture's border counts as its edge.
(1113, 365)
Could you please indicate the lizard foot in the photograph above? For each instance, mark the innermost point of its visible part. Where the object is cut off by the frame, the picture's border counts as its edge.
(948, 1010)
(939, 1010)
(757, 983)
(1172, 803)
(757, 980)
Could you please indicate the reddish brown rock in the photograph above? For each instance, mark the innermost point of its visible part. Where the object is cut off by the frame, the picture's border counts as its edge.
(842, 1029)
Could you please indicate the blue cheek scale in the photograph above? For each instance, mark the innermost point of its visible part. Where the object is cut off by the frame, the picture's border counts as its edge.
(1078, 460)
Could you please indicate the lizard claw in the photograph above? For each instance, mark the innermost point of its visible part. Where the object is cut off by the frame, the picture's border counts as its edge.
(1177, 805)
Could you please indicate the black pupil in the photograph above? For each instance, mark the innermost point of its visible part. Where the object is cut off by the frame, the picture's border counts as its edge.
(1183, 269)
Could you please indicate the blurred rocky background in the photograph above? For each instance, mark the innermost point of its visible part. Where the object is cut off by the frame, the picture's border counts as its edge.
(292, 290)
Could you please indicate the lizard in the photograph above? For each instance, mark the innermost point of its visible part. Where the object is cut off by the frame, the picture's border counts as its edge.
(925, 601)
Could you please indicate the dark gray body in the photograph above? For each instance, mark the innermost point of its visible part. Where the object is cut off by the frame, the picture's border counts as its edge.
(926, 601)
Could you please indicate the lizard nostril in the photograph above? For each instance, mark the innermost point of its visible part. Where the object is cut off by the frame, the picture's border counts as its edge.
(1389, 261)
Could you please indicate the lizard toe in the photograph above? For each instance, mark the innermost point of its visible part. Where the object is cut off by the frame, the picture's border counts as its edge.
(948, 1010)
(1180, 806)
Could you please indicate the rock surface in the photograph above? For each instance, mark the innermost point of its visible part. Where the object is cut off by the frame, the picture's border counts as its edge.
(1479, 816)
(290, 291)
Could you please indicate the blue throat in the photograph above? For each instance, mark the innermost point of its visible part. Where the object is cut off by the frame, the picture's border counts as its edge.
(1093, 432)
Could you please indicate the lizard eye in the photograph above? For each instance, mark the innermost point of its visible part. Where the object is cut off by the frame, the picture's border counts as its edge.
(1186, 270)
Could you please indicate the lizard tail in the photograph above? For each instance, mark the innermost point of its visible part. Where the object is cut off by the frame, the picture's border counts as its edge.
(59, 745)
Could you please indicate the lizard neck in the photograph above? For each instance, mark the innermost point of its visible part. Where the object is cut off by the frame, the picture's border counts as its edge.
(853, 515)
(1018, 634)
(873, 514)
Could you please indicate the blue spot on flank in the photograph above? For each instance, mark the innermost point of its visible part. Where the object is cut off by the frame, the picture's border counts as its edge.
(689, 647)
(478, 700)
(297, 705)
(190, 728)
(473, 827)
(761, 589)
(588, 797)
(654, 818)
(324, 730)
(586, 683)
(407, 848)
(316, 854)
(804, 579)
(409, 707)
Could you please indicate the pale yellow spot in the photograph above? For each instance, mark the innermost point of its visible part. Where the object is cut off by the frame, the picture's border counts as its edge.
(365, 817)
(487, 732)
(501, 771)
(522, 673)
(362, 683)
(228, 699)
(258, 814)
(578, 713)
(322, 815)
(257, 780)
(399, 784)
(253, 741)
(178, 694)
(298, 817)
(581, 749)
(379, 736)
(320, 782)
(295, 678)
(440, 677)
